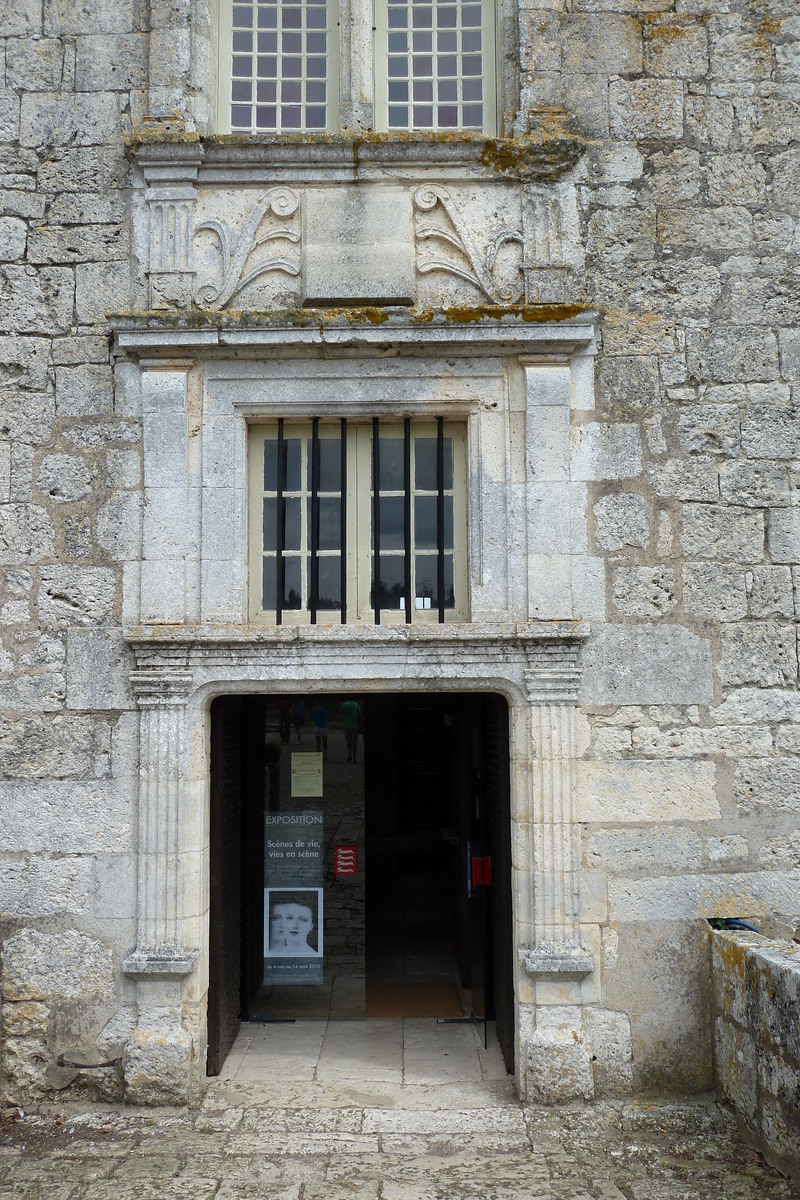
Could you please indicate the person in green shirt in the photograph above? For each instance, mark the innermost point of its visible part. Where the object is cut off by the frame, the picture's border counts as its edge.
(351, 716)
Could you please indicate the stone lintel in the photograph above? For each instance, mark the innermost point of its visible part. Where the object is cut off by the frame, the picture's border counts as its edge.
(160, 963)
(548, 961)
(515, 329)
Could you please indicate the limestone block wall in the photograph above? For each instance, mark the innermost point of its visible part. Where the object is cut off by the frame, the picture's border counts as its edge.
(688, 772)
(756, 982)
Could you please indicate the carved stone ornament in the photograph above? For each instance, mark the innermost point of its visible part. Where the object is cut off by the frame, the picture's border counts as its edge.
(238, 249)
(454, 248)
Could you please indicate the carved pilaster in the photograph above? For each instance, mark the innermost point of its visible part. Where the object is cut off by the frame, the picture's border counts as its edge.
(552, 684)
(171, 271)
(549, 275)
(162, 701)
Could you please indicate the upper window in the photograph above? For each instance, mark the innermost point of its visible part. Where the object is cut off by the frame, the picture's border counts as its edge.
(433, 65)
(357, 521)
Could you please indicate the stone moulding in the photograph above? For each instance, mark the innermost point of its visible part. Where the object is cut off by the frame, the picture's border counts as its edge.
(161, 963)
(533, 157)
(548, 961)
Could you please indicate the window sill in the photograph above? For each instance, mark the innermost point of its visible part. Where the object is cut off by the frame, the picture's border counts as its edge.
(543, 155)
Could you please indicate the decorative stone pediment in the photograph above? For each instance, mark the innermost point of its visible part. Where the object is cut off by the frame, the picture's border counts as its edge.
(420, 222)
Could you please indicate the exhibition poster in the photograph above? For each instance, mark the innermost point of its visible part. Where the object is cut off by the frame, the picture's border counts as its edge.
(293, 897)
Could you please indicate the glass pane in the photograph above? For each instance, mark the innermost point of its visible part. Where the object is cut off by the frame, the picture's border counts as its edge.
(269, 527)
(291, 524)
(425, 518)
(425, 569)
(392, 575)
(241, 116)
(425, 463)
(291, 43)
(292, 18)
(242, 43)
(242, 90)
(423, 91)
(391, 464)
(330, 523)
(472, 89)
(268, 585)
(292, 597)
(330, 583)
(330, 465)
(398, 117)
(267, 18)
(391, 509)
(398, 92)
(471, 16)
(292, 451)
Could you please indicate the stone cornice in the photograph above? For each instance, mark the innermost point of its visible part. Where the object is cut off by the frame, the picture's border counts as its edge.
(542, 156)
(519, 329)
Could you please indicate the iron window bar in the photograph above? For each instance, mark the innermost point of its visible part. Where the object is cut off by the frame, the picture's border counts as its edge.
(376, 519)
(409, 599)
(313, 602)
(440, 515)
(280, 519)
(343, 519)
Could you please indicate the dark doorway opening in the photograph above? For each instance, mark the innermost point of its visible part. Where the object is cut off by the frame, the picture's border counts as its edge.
(397, 859)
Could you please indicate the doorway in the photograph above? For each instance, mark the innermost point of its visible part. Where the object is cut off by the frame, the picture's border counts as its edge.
(360, 861)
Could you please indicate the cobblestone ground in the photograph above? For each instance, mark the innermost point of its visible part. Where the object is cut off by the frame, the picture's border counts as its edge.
(378, 1110)
(447, 1142)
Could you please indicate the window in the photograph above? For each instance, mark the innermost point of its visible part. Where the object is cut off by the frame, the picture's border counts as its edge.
(358, 521)
(433, 64)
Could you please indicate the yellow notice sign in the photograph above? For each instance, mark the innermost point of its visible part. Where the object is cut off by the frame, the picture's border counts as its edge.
(306, 774)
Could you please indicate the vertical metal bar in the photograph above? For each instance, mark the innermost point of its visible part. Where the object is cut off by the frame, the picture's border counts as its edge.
(440, 514)
(407, 517)
(343, 517)
(376, 520)
(280, 573)
(314, 547)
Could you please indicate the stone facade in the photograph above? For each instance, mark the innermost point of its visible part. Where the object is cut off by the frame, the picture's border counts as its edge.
(607, 296)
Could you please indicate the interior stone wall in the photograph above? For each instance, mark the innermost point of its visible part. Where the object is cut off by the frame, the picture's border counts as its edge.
(681, 122)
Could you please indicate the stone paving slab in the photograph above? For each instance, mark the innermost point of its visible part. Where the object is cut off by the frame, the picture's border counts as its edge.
(411, 1151)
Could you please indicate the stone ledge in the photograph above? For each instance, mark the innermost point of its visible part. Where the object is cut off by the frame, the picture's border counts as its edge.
(522, 329)
(548, 961)
(159, 964)
(171, 154)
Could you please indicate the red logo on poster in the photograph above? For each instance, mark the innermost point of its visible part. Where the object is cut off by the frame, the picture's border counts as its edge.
(345, 860)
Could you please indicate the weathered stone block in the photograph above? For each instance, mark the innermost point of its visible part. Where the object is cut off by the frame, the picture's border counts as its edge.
(36, 302)
(753, 484)
(600, 44)
(771, 592)
(768, 785)
(644, 591)
(107, 62)
(35, 64)
(64, 119)
(60, 747)
(157, 1065)
(605, 452)
(98, 667)
(646, 108)
(763, 652)
(728, 355)
(684, 480)
(21, 19)
(558, 1071)
(783, 850)
(47, 966)
(717, 229)
(76, 595)
(84, 391)
(714, 591)
(622, 520)
(772, 432)
(640, 791)
(73, 244)
(735, 1066)
(783, 535)
(643, 849)
(710, 429)
(722, 533)
(641, 665)
(13, 238)
(101, 288)
(26, 534)
(608, 1038)
(64, 478)
(675, 47)
(629, 382)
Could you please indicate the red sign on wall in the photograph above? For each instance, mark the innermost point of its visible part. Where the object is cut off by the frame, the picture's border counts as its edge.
(345, 860)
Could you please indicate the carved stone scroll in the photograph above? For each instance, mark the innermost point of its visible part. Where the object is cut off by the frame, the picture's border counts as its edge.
(452, 247)
(240, 265)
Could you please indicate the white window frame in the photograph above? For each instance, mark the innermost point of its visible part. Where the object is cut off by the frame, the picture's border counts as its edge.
(357, 89)
(358, 524)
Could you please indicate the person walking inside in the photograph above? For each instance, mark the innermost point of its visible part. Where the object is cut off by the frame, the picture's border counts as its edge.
(319, 717)
(351, 716)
